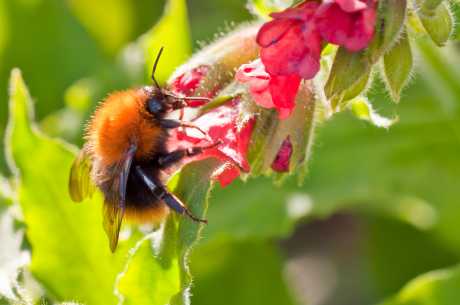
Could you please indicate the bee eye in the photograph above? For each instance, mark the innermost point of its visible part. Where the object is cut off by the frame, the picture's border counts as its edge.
(154, 105)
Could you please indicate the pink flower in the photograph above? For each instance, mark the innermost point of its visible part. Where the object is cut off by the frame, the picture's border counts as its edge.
(283, 158)
(270, 91)
(221, 125)
(348, 23)
(291, 43)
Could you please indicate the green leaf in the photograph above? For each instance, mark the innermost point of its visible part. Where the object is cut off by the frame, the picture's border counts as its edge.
(390, 23)
(392, 240)
(152, 274)
(158, 273)
(434, 288)
(63, 52)
(439, 69)
(177, 46)
(4, 27)
(247, 273)
(61, 233)
(397, 67)
(110, 22)
(348, 73)
(439, 23)
(256, 210)
(363, 109)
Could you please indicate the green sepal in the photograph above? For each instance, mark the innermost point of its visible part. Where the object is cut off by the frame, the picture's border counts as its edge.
(270, 132)
(390, 23)
(438, 23)
(397, 67)
(348, 77)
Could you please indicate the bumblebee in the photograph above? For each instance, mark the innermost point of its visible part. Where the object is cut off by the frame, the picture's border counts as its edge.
(125, 154)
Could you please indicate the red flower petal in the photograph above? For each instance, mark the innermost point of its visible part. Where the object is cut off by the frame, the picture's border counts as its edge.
(273, 31)
(291, 43)
(283, 158)
(283, 90)
(352, 30)
(187, 83)
(298, 52)
(226, 174)
(270, 91)
(258, 80)
(221, 126)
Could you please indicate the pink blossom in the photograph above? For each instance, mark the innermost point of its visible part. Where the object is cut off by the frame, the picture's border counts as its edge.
(222, 126)
(291, 43)
(348, 23)
(270, 91)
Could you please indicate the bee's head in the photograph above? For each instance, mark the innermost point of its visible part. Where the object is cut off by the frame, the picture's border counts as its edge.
(160, 101)
(156, 102)
(155, 105)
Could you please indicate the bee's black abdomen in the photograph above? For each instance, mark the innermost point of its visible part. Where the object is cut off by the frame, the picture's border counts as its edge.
(138, 196)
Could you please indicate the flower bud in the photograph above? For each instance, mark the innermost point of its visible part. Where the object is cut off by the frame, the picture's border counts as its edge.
(283, 145)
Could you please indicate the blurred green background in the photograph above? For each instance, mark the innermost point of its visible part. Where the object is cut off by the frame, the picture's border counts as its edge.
(378, 208)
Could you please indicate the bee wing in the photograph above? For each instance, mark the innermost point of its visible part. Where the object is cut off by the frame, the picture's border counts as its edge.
(113, 216)
(80, 183)
(114, 208)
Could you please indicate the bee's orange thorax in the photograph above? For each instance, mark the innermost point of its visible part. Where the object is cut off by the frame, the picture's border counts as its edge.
(118, 122)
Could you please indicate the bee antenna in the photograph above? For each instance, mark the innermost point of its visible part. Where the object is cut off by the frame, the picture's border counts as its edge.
(155, 65)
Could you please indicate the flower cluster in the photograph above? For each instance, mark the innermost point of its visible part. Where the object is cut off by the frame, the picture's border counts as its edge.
(291, 46)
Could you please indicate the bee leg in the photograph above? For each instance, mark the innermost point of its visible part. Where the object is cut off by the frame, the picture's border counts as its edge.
(180, 102)
(172, 124)
(181, 114)
(164, 195)
(173, 157)
(190, 98)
